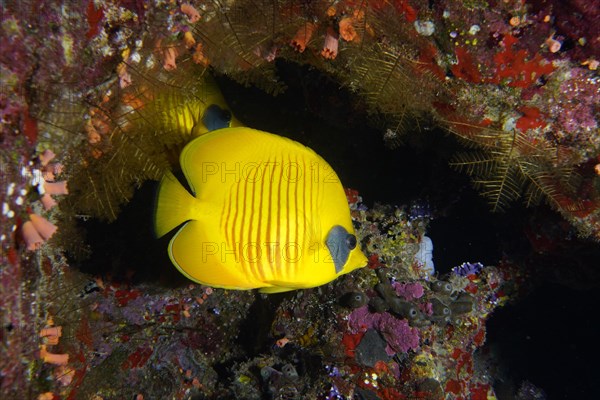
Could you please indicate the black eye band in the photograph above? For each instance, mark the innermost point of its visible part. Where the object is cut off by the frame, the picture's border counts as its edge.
(216, 117)
(351, 241)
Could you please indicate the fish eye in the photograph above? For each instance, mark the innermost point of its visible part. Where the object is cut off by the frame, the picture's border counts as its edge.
(351, 241)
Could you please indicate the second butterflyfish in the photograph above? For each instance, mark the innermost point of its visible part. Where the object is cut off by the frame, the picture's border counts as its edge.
(264, 212)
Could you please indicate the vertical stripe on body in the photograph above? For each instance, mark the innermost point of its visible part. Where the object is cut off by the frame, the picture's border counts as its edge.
(278, 272)
(270, 218)
(259, 225)
(252, 264)
(269, 193)
(242, 186)
(236, 210)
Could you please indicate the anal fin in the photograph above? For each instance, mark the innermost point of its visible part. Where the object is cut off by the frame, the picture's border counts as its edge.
(205, 260)
(275, 289)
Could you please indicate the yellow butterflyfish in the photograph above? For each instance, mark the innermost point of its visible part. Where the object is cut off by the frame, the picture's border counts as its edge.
(265, 212)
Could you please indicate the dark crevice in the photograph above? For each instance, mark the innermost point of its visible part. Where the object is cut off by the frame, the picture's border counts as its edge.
(127, 249)
(255, 331)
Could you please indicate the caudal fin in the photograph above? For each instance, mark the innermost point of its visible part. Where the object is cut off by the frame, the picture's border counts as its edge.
(174, 205)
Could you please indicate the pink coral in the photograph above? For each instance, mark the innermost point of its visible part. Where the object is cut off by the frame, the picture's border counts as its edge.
(191, 12)
(46, 157)
(51, 335)
(426, 308)
(52, 358)
(399, 335)
(330, 47)
(44, 227)
(410, 291)
(51, 331)
(49, 171)
(56, 187)
(32, 238)
(48, 201)
(169, 58)
(361, 319)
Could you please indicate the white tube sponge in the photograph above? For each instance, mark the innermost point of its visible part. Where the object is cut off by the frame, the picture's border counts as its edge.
(425, 255)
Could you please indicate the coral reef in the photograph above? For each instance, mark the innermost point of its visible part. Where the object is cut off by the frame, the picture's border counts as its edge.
(99, 96)
(114, 339)
(516, 84)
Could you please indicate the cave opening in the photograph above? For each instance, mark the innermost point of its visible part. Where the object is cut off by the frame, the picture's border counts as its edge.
(316, 111)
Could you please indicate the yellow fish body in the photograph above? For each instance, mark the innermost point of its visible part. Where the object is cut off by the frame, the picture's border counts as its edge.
(266, 212)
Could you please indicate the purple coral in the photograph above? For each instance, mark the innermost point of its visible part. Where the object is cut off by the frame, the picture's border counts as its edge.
(362, 319)
(426, 308)
(410, 291)
(467, 268)
(420, 210)
(399, 335)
